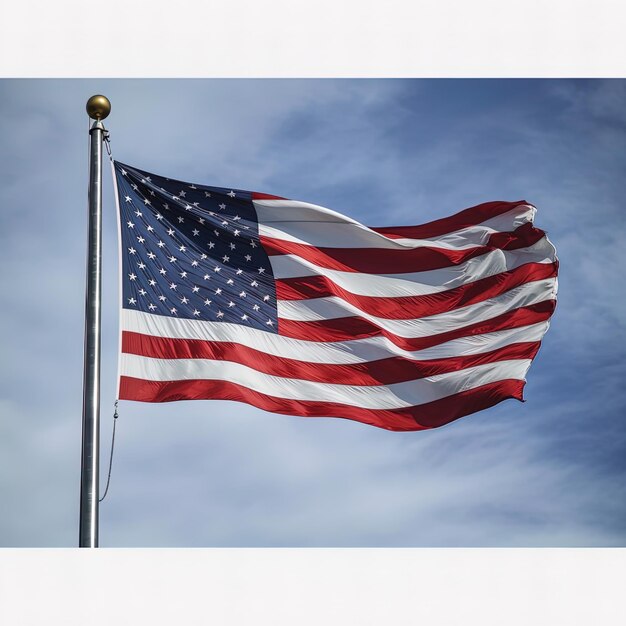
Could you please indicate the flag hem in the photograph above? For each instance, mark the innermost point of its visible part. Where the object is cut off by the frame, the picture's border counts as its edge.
(119, 278)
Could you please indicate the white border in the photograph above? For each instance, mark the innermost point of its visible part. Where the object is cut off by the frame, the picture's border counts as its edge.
(302, 587)
(282, 38)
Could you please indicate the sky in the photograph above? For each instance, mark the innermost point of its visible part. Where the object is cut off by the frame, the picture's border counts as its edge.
(547, 472)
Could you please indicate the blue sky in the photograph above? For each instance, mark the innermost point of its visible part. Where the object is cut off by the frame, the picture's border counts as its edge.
(549, 472)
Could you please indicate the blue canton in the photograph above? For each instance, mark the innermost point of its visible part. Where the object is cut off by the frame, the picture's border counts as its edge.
(192, 251)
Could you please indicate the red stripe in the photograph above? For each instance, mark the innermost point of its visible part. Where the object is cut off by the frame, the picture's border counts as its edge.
(386, 261)
(346, 328)
(265, 196)
(469, 217)
(420, 417)
(381, 372)
(412, 307)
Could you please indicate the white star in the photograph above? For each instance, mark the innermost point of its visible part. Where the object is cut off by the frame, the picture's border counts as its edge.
(140, 239)
(181, 219)
(151, 306)
(239, 272)
(231, 194)
(160, 244)
(236, 232)
(148, 179)
(203, 256)
(123, 172)
(232, 246)
(207, 277)
(187, 207)
(159, 216)
(170, 231)
(217, 268)
(231, 304)
(236, 218)
(173, 310)
(256, 307)
(166, 206)
(151, 192)
(175, 198)
(244, 317)
(173, 259)
(248, 257)
(132, 301)
(152, 282)
(162, 298)
(252, 243)
(173, 286)
(225, 258)
(211, 245)
(254, 284)
(261, 270)
(182, 194)
(266, 298)
(224, 223)
(151, 255)
(138, 213)
(194, 264)
(184, 300)
(132, 250)
(150, 229)
(269, 323)
(143, 292)
(207, 302)
(196, 204)
(217, 233)
(242, 294)
(127, 199)
(163, 271)
(207, 194)
(222, 206)
(196, 312)
(201, 220)
(220, 314)
(130, 224)
(134, 186)
(218, 291)
(195, 289)
(230, 281)
(146, 201)
(141, 265)
(192, 187)
(195, 232)
(182, 248)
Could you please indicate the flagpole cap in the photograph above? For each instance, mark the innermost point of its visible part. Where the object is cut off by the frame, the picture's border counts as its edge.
(98, 107)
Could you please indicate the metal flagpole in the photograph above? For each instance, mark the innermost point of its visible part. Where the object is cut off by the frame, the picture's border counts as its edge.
(98, 107)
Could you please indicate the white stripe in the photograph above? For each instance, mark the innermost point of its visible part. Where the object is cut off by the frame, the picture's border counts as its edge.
(313, 225)
(333, 308)
(394, 396)
(417, 283)
(337, 352)
(278, 211)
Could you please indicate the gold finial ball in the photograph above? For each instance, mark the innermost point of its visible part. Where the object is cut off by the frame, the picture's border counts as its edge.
(98, 107)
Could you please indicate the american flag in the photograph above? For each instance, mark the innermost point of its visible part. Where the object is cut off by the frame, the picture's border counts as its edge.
(297, 309)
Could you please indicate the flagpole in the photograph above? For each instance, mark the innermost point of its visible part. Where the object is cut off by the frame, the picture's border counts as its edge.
(98, 107)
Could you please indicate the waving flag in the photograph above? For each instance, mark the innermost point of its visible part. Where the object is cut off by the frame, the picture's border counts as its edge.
(297, 309)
